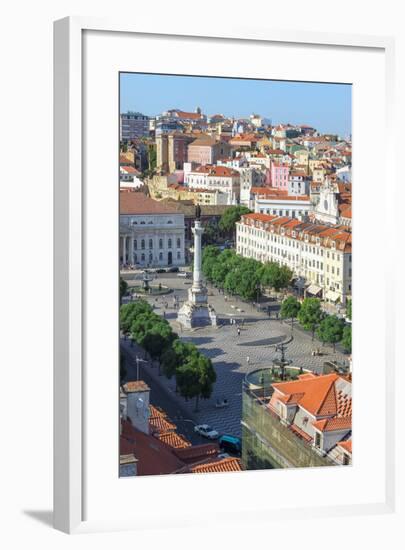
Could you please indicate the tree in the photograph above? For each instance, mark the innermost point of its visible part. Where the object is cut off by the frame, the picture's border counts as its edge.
(347, 338)
(310, 314)
(158, 338)
(275, 276)
(330, 330)
(123, 288)
(209, 258)
(290, 309)
(227, 223)
(196, 377)
(210, 235)
(129, 312)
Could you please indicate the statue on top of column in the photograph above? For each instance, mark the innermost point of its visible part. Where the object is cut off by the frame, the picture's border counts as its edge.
(198, 212)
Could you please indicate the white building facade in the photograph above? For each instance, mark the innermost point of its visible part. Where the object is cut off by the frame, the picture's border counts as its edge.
(151, 234)
(319, 255)
(215, 178)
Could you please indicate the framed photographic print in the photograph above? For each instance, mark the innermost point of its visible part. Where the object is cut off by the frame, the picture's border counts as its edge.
(212, 287)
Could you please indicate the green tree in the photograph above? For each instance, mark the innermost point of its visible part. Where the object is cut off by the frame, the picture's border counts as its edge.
(227, 223)
(347, 338)
(196, 378)
(129, 312)
(290, 309)
(123, 288)
(330, 330)
(275, 276)
(209, 258)
(158, 338)
(310, 314)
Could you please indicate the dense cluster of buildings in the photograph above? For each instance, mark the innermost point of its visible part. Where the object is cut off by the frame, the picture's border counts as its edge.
(297, 184)
(151, 445)
(295, 180)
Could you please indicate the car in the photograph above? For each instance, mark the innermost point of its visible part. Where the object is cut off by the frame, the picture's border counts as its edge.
(206, 431)
(173, 269)
(160, 270)
(183, 274)
(230, 444)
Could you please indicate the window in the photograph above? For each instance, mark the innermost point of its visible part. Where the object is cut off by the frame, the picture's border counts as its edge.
(160, 256)
(317, 440)
(160, 243)
(169, 243)
(143, 245)
(135, 244)
(178, 255)
(178, 243)
(143, 257)
(150, 243)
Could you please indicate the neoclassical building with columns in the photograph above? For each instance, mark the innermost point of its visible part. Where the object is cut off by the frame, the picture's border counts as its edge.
(151, 233)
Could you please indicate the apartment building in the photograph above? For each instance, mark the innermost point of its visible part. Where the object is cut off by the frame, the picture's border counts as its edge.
(320, 255)
(220, 178)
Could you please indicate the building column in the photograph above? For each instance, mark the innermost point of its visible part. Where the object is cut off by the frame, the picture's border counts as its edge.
(131, 249)
(124, 249)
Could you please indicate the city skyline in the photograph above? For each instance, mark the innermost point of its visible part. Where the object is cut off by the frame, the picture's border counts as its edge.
(281, 101)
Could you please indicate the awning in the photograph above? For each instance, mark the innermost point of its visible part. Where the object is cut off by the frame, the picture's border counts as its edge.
(332, 296)
(314, 290)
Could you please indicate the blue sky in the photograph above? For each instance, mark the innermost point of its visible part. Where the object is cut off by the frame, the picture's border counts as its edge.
(327, 107)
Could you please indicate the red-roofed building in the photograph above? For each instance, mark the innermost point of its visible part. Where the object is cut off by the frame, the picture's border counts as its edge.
(215, 178)
(308, 421)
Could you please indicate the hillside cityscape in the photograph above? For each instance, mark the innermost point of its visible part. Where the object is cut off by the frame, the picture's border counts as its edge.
(235, 265)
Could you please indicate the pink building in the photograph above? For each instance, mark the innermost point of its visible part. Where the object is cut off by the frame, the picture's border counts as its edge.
(279, 175)
(207, 150)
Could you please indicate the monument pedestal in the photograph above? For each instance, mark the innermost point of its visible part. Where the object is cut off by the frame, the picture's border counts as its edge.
(197, 312)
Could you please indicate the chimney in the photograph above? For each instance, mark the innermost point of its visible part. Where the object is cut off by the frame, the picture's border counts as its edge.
(138, 404)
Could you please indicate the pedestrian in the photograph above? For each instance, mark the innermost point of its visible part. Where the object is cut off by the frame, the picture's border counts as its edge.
(238, 331)
(248, 360)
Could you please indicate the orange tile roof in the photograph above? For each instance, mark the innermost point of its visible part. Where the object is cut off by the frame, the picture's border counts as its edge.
(192, 116)
(333, 424)
(173, 439)
(196, 453)
(217, 465)
(346, 445)
(135, 386)
(316, 391)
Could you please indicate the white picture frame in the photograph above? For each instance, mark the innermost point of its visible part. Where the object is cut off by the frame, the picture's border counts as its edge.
(71, 384)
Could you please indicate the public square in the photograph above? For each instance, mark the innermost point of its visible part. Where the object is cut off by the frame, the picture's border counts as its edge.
(233, 355)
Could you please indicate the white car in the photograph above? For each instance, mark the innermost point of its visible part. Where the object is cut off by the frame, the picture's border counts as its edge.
(184, 274)
(206, 431)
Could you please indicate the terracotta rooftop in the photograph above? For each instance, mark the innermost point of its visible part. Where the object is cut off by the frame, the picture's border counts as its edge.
(196, 453)
(135, 386)
(138, 203)
(217, 465)
(174, 440)
(346, 445)
(333, 424)
(154, 456)
(318, 394)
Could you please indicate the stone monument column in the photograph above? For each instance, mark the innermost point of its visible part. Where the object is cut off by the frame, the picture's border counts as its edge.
(197, 312)
(197, 230)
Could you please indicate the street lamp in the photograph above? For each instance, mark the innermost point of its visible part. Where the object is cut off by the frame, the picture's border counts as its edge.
(138, 360)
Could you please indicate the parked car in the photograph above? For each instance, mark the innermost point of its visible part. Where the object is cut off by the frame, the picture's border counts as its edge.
(230, 444)
(206, 431)
(173, 269)
(184, 274)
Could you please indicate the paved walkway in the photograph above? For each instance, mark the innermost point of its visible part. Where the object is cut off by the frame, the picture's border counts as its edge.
(229, 352)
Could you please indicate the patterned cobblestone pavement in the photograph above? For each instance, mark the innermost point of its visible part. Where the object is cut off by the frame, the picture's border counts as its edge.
(233, 356)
